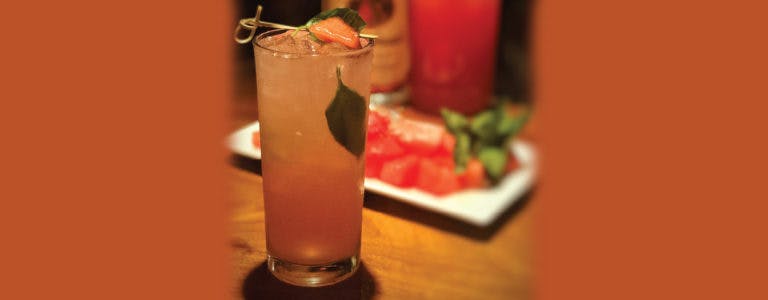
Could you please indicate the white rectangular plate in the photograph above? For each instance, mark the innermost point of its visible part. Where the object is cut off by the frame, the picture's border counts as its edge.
(476, 206)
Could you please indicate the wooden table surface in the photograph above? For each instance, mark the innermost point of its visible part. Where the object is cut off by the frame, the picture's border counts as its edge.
(407, 252)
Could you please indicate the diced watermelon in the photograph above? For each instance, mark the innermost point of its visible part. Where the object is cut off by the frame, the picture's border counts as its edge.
(378, 125)
(336, 30)
(378, 151)
(447, 144)
(436, 179)
(474, 175)
(400, 171)
(443, 161)
(383, 148)
(420, 138)
(373, 168)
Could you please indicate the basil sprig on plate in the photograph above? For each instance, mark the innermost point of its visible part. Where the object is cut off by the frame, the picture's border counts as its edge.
(485, 136)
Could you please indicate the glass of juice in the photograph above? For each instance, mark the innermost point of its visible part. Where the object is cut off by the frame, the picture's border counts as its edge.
(453, 51)
(313, 185)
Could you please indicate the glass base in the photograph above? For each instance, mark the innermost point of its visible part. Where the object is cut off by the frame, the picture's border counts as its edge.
(313, 276)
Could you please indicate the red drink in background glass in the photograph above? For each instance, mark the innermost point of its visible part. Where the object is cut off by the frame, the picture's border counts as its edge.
(453, 51)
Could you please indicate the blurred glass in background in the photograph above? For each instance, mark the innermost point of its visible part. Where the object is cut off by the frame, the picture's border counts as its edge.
(454, 50)
(511, 78)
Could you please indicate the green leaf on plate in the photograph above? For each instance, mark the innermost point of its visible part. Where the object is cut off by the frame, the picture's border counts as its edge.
(483, 126)
(346, 118)
(494, 160)
(455, 122)
(462, 151)
(486, 136)
(509, 126)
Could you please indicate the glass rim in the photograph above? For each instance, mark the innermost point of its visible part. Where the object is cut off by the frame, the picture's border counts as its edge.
(284, 54)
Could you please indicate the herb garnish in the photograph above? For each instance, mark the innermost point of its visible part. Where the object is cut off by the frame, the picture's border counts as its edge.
(347, 15)
(485, 136)
(346, 118)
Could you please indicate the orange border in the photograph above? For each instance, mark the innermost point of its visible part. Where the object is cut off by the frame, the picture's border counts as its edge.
(651, 132)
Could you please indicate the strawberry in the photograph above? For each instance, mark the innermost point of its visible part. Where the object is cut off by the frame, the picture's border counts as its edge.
(336, 30)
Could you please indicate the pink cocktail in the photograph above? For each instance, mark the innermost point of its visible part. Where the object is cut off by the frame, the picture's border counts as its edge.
(453, 50)
(313, 186)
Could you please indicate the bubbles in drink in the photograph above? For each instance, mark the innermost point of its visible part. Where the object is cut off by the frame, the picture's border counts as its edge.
(309, 46)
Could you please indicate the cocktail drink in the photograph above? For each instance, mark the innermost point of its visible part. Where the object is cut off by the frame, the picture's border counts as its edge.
(312, 164)
(453, 50)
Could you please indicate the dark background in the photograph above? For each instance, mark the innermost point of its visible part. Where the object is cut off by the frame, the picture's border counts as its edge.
(512, 55)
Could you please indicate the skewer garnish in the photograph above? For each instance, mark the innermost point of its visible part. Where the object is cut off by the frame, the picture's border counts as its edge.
(251, 24)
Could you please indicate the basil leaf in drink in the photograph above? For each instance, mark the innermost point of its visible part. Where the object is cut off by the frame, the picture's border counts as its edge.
(349, 16)
(455, 122)
(494, 160)
(462, 151)
(346, 118)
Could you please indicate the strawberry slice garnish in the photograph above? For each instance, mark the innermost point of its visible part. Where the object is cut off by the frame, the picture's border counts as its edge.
(336, 30)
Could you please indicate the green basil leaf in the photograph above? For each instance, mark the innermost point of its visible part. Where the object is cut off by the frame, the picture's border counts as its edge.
(494, 159)
(483, 126)
(349, 16)
(461, 152)
(455, 122)
(346, 118)
(509, 126)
